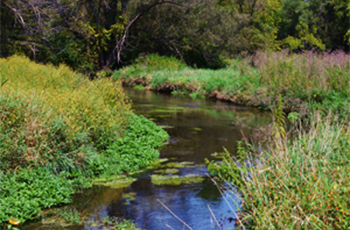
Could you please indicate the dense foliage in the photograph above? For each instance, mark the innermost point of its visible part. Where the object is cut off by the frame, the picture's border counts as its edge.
(91, 35)
(58, 129)
(55, 118)
(136, 149)
(24, 194)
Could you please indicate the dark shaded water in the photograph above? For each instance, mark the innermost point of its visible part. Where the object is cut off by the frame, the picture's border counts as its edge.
(197, 128)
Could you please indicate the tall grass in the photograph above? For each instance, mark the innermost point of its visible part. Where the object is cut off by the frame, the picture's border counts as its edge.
(54, 117)
(300, 184)
(319, 80)
(304, 72)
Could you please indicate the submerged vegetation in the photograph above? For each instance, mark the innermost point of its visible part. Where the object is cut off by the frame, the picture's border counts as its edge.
(58, 130)
(114, 223)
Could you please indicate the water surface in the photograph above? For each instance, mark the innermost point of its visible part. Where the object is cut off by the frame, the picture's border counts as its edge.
(197, 128)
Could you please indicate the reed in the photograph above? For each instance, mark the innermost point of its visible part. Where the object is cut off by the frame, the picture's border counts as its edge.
(299, 184)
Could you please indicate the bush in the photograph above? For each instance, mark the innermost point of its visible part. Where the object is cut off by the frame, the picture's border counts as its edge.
(153, 62)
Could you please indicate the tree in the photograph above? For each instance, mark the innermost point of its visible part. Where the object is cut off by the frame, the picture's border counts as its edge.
(257, 22)
(315, 24)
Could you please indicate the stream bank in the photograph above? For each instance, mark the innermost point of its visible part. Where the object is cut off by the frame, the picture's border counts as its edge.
(197, 129)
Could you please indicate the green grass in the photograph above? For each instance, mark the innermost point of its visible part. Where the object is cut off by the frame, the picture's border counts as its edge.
(306, 81)
(196, 82)
(58, 130)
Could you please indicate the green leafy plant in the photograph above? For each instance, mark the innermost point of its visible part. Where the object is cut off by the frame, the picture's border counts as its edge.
(135, 150)
(25, 193)
(70, 216)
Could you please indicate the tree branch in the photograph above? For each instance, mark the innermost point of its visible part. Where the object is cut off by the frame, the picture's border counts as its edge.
(120, 44)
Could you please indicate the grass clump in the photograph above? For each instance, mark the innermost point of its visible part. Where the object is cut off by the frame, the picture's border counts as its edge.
(70, 216)
(58, 130)
(302, 184)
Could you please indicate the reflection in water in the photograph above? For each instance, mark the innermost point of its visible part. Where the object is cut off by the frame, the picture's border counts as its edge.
(215, 120)
(197, 128)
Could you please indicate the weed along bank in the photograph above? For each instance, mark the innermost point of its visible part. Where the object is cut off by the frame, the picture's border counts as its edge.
(61, 132)
(79, 153)
(181, 114)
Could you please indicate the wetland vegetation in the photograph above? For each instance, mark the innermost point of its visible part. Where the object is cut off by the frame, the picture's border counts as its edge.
(66, 123)
(300, 179)
(59, 130)
(306, 82)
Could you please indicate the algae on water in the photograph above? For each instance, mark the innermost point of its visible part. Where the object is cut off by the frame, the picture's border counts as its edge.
(175, 180)
(119, 181)
(157, 164)
(167, 171)
(166, 126)
(178, 164)
(129, 197)
(218, 155)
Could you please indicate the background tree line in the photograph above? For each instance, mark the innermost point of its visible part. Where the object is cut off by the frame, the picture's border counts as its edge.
(90, 35)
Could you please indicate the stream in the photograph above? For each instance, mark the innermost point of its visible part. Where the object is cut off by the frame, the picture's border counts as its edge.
(197, 128)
